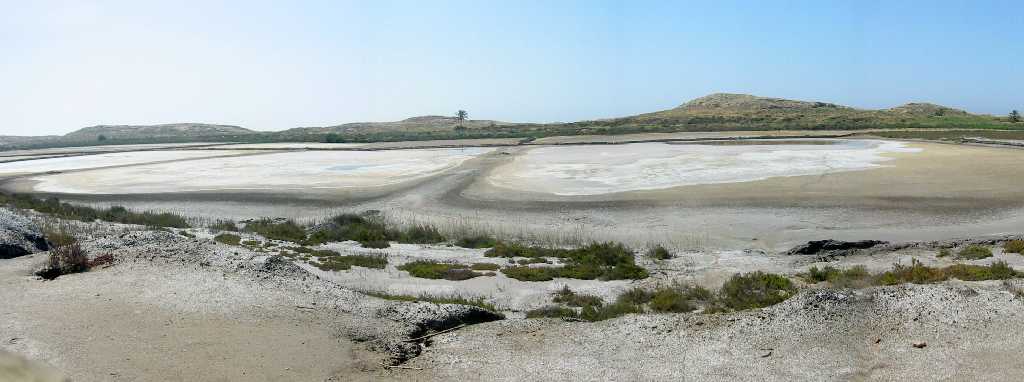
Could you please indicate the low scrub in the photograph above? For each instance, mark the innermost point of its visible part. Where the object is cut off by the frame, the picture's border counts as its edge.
(434, 270)
(604, 261)
(1014, 246)
(754, 290)
(917, 273)
(371, 232)
(333, 261)
(663, 299)
(227, 238)
(66, 257)
(484, 267)
(286, 230)
(658, 253)
(116, 214)
(224, 225)
(974, 252)
(855, 277)
(476, 241)
(479, 302)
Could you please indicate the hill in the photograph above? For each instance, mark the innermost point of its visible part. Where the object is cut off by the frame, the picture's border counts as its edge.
(164, 131)
(425, 123)
(723, 111)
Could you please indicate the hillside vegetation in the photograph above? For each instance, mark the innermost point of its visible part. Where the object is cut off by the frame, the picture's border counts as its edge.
(715, 112)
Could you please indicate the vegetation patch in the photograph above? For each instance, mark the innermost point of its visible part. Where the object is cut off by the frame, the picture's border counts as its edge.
(915, 273)
(974, 252)
(436, 271)
(658, 252)
(1014, 246)
(479, 302)
(663, 299)
(918, 273)
(605, 261)
(371, 232)
(855, 277)
(286, 230)
(484, 267)
(224, 225)
(333, 261)
(476, 241)
(116, 214)
(754, 290)
(66, 256)
(227, 238)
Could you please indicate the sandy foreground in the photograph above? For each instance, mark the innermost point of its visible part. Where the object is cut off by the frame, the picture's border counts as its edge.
(178, 308)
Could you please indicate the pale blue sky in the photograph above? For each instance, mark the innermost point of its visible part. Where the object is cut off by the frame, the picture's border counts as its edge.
(275, 65)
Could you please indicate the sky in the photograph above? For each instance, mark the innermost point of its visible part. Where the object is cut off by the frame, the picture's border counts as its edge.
(275, 65)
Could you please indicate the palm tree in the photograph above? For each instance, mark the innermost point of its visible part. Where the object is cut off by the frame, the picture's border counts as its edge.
(461, 115)
(1014, 116)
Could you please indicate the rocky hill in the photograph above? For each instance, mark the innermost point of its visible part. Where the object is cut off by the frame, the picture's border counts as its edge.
(723, 111)
(425, 123)
(172, 130)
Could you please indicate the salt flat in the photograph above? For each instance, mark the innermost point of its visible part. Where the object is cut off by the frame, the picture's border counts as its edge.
(602, 169)
(307, 170)
(102, 160)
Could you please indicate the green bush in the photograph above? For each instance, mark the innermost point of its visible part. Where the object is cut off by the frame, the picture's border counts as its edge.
(421, 234)
(944, 252)
(974, 252)
(479, 302)
(755, 290)
(336, 262)
(569, 297)
(224, 225)
(524, 273)
(286, 230)
(434, 270)
(854, 277)
(484, 267)
(227, 238)
(658, 253)
(918, 273)
(552, 311)
(116, 214)
(477, 241)
(605, 261)
(1014, 246)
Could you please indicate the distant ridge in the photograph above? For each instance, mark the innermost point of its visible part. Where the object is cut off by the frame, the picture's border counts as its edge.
(170, 130)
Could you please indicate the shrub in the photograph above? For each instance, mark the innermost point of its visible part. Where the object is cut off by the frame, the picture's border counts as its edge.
(568, 297)
(1014, 246)
(974, 252)
(433, 270)
(332, 261)
(421, 234)
(484, 267)
(479, 302)
(478, 241)
(116, 214)
(917, 273)
(606, 261)
(224, 225)
(658, 253)
(524, 273)
(66, 257)
(856, 276)
(227, 238)
(755, 290)
(944, 253)
(552, 311)
(369, 232)
(286, 230)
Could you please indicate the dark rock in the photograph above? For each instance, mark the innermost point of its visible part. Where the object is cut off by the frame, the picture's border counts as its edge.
(19, 236)
(832, 247)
